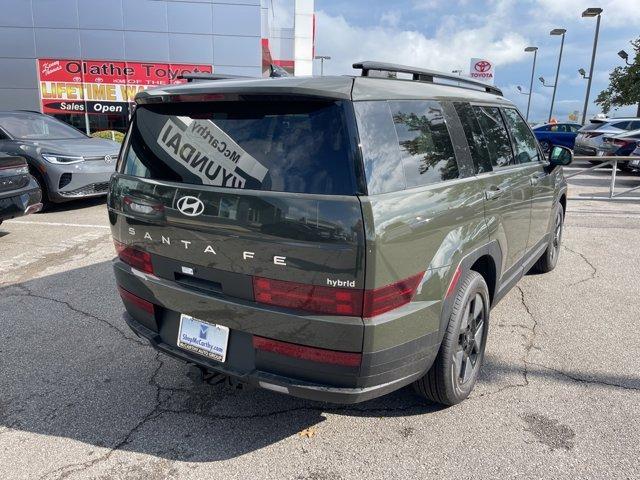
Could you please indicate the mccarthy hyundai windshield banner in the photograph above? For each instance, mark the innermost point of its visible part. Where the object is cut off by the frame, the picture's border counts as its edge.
(102, 86)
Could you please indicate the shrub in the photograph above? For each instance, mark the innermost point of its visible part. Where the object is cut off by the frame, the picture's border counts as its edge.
(109, 135)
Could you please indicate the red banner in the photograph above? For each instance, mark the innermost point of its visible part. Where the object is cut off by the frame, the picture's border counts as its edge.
(102, 86)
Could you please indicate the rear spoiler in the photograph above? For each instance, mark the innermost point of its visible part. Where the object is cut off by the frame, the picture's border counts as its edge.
(274, 71)
(207, 77)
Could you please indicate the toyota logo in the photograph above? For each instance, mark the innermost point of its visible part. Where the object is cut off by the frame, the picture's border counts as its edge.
(482, 66)
(190, 206)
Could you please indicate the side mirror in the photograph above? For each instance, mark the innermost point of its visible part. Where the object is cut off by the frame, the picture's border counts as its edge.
(560, 156)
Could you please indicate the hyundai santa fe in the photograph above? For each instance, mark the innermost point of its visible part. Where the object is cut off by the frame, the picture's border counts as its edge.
(332, 238)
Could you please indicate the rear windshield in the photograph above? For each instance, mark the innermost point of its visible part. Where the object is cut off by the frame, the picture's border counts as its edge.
(284, 146)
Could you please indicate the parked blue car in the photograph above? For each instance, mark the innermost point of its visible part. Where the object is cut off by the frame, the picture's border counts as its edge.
(551, 134)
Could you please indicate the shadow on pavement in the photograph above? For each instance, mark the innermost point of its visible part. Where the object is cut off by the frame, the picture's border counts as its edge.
(71, 368)
(75, 204)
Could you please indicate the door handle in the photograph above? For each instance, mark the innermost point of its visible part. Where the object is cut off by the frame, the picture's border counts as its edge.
(536, 177)
(493, 192)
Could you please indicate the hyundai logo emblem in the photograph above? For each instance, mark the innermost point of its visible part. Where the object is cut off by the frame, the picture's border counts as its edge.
(190, 206)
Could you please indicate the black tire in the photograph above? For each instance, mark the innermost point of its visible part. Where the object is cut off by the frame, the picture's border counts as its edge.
(546, 146)
(46, 203)
(457, 366)
(549, 258)
(624, 167)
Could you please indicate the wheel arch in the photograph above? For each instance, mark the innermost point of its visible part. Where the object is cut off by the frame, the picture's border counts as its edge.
(563, 202)
(485, 260)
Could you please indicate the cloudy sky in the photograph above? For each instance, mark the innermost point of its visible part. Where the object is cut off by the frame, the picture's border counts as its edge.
(445, 34)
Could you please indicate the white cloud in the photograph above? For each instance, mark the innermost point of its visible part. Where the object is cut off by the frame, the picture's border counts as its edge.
(616, 12)
(450, 47)
(391, 18)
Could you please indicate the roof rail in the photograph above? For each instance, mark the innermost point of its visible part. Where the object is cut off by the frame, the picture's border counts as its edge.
(205, 76)
(423, 75)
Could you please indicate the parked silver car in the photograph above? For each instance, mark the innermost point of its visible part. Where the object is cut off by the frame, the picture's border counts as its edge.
(590, 137)
(623, 144)
(66, 163)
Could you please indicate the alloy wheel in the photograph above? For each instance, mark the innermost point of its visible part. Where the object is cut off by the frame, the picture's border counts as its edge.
(557, 237)
(468, 353)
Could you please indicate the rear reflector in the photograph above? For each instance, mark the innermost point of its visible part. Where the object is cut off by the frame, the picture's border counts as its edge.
(307, 353)
(454, 281)
(141, 303)
(314, 298)
(391, 296)
(335, 301)
(134, 257)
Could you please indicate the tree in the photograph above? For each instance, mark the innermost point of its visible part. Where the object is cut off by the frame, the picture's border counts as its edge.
(624, 84)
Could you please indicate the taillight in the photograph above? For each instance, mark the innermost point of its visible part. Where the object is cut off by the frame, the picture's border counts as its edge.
(313, 354)
(314, 298)
(135, 258)
(335, 301)
(141, 303)
(391, 296)
(621, 143)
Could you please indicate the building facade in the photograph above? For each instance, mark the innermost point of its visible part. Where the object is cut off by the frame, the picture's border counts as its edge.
(83, 61)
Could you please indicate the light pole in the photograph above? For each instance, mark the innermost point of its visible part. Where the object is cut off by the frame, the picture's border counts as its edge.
(322, 58)
(625, 56)
(562, 32)
(591, 12)
(533, 70)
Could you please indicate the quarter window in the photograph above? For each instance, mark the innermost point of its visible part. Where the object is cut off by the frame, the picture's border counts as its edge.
(425, 145)
(496, 134)
(475, 138)
(524, 143)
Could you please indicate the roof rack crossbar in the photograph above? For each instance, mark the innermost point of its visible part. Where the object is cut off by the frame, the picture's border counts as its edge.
(423, 75)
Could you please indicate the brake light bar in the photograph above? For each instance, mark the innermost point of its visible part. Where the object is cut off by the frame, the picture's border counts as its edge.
(383, 299)
(335, 301)
(133, 257)
(302, 352)
(141, 303)
(314, 298)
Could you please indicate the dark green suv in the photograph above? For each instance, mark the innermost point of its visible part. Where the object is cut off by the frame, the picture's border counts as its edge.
(332, 238)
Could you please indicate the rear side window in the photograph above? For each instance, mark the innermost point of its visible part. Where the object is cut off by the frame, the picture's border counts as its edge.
(524, 142)
(634, 125)
(496, 134)
(621, 125)
(285, 146)
(425, 145)
(381, 155)
(475, 138)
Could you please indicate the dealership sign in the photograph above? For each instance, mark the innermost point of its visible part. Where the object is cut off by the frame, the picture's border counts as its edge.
(102, 86)
(482, 69)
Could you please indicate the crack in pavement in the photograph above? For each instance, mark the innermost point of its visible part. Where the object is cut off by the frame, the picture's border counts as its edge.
(67, 470)
(527, 349)
(158, 411)
(594, 270)
(28, 293)
(585, 380)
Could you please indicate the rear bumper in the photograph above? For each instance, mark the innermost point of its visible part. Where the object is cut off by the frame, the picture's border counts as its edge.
(271, 381)
(21, 202)
(380, 372)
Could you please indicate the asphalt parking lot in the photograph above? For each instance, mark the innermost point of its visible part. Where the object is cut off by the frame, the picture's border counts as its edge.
(82, 397)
